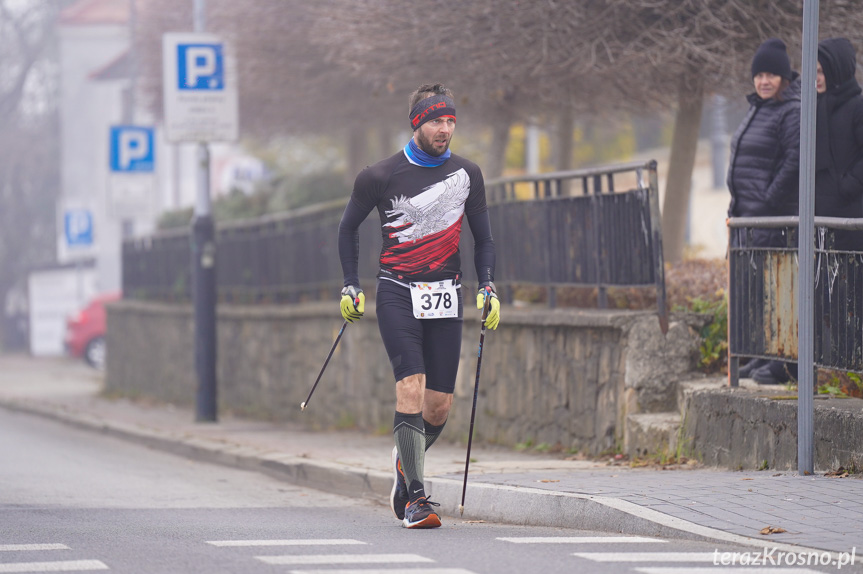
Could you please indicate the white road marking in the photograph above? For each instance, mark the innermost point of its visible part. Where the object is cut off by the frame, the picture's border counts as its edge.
(61, 566)
(292, 542)
(387, 571)
(647, 556)
(345, 559)
(19, 547)
(582, 540)
(732, 569)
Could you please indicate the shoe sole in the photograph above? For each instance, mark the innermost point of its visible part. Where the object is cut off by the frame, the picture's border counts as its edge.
(395, 456)
(430, 521)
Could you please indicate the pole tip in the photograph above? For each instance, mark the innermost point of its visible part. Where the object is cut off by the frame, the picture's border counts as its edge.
(303, 406)
(461, 509)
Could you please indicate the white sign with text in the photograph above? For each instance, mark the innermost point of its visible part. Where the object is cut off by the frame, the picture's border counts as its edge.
(199, 88)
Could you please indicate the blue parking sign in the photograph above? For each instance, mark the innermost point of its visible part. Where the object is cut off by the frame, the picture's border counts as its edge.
(199, 83)
(200, 67)
(132, 149)
(78, 227)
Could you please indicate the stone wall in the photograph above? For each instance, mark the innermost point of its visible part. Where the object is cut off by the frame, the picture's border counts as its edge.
(561, 377)
(752, 428)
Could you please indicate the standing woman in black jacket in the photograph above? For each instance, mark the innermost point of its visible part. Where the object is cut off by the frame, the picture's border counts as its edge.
(763, 169)
(839, 139)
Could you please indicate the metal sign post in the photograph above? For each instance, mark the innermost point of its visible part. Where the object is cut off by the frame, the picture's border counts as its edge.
(200, 97)
(806, 246)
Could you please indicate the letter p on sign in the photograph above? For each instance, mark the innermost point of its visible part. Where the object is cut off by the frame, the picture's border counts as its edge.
(132, 149)
(200, 67)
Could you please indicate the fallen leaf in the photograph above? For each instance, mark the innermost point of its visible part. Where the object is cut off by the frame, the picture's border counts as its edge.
(749, 489)
(838, 473)
(778, 474)
(772, 530)
(747, 479)
(547, 480)
(473, 521)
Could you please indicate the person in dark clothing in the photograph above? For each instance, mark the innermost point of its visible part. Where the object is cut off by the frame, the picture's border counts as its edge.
(838, 181)
(422, 194)
(839, 139)
(763, 169)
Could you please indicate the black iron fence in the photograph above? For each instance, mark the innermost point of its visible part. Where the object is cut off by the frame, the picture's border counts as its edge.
(556, 230)
(763, 288)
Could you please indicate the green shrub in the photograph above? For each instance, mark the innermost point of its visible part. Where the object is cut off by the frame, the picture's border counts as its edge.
(714, 335)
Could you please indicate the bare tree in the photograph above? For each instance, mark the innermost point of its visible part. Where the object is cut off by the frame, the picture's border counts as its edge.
(672, 51)
(287, 85)
(29, 154)
(24, 34)
(334, 64)
(578, 56)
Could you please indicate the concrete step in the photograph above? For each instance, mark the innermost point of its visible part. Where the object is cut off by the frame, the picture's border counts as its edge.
(648, 434)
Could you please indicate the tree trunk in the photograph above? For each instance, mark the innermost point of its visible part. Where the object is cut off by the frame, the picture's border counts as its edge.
(357, 153)
(563, 139)
(386, 141)
(675, 206)
(563, 146)
(497, 149)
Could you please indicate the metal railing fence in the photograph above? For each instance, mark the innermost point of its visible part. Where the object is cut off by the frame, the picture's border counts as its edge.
(762, 294)
(576, 229)
(555, 230)
(158, 267)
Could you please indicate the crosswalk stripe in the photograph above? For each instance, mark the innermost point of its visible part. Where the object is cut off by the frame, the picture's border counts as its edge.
(386, 571)
(59, 566)
(582, 540)
(345, 559)
(733, 570)
(647, 556)
(20, 547)
(293, 542)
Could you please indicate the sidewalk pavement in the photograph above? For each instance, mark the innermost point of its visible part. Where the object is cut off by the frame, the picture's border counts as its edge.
(508, 486)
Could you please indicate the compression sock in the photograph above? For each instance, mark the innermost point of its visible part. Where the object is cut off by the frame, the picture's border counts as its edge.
(432, 432)
(409, 434)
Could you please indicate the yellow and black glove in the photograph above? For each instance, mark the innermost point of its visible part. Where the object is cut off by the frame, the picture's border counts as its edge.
(493, 318)
(353, 303)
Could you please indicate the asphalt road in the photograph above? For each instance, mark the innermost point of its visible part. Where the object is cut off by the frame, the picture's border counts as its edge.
(77, 501)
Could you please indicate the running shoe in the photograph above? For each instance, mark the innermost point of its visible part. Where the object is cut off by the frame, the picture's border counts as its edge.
(420, 514)
(399, 494)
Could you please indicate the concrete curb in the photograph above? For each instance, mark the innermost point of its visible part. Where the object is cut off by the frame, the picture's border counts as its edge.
(483, 501)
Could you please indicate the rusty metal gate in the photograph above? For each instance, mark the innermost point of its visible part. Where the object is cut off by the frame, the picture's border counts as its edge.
(763, 290)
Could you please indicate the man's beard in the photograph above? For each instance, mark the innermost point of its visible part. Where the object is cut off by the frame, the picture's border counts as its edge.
(427, 146)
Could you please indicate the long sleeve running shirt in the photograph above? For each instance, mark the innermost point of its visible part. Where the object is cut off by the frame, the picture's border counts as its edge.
(421, 211)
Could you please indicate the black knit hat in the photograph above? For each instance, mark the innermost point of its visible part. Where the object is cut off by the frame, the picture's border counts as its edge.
(772, 57)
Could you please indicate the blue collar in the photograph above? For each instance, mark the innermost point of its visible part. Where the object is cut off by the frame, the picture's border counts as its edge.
(418, 157)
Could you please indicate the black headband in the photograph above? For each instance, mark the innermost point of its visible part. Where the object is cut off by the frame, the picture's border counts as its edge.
(431, 108)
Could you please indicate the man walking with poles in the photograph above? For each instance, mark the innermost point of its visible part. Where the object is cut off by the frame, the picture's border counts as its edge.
(421, 194)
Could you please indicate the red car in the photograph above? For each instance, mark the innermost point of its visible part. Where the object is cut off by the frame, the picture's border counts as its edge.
(85, 331)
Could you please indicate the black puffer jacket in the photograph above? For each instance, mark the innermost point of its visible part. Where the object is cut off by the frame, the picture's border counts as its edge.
(839, 140)
(763, 170)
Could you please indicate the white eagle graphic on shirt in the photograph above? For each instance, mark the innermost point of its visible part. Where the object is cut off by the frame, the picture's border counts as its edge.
(434, 209)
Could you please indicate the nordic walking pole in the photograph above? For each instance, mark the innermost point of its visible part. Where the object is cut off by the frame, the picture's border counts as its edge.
(485, 309)
(306, 402)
